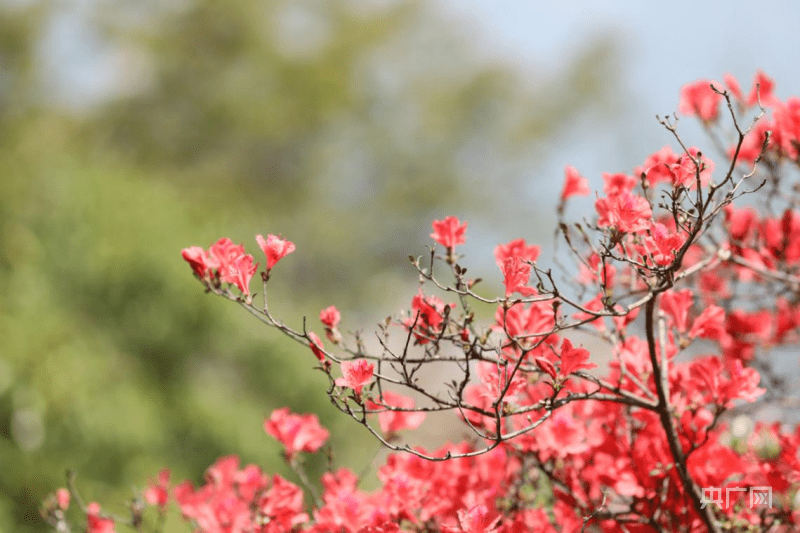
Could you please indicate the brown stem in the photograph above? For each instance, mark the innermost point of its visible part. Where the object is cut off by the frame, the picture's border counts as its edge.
(662, 389)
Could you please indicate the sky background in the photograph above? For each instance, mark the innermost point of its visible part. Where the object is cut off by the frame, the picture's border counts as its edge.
(662, 45)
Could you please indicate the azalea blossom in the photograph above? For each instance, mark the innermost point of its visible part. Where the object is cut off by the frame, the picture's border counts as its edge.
(198, 259)
(515, 277)
(626, 212)
(95, 523)
(355, 374)
(656, 167)
(449, 232)
(315, 343)
(62, 498)
(685, 169)
(390, 421)
(297, 433)
(239, 272)
(619, 183)
(516, 248)
(676, 305)
(158, 492)
(574, 359)
(274, 248)
(222, 253)
(574, 184)
(700, 99)
(330, 317)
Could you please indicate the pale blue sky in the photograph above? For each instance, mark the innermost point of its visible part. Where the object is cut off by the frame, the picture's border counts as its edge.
(663, 45)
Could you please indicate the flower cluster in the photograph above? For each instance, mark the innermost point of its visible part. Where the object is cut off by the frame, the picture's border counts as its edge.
(685, 289)
(225, 262)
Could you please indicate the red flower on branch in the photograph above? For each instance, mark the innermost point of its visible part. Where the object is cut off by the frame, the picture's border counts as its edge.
(96, 523)
(297, 433)
(449, 232)
(239, 272)
(315, 343)
(700, 99)
(627, 213)
(275, 248)
(574, 184)
(391, 422)
(198, 259)
(356, 374)
(158, 492)
(574, 359)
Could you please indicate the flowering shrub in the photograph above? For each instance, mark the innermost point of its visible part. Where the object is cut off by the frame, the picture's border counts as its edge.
(688, 287)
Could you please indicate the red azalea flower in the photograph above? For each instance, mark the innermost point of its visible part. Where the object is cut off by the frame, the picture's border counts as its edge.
(355, 374)
(449, 232)
(393, 421)
(158, 492)
(330, 317)
(239, 272)
(275, 248)
(62, 498)
(95, 523)
(574, 184)
(574, 359)
(627, 212)
(222, 253)
(316, 346)
(297, 433)
(197, 258)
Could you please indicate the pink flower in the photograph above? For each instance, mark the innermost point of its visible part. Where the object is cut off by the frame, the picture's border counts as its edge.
(762, 91)
(710, 324)
(95, 523)
(239, 272)
(627, 213)
(574, 184)
(597, 272)
(431, 315)
(663, 244)
(275, 248)
(297, 433)
(574, 359)
(657, 166)
(355, 374)
(158, 493)
(316, 346)
(616, 184)
(516, 248)
(393, 421)
(197, 258)
(684, 170)
(545, 366)
(330, 317)
(733, 86)
(222, 253)
(515, 277)
(595, 304)
(62, 498)
(742, 223)
(449, 232)
(754, 140)
(699, 99)
(787, 126)
(477, 520)
(676, 305)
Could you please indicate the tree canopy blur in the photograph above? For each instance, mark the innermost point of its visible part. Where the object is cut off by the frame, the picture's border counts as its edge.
(129, 130)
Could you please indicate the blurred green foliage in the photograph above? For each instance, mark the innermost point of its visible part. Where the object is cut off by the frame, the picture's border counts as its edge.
(346, 126)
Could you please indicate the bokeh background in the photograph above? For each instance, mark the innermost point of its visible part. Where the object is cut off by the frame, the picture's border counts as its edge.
(131, 129)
